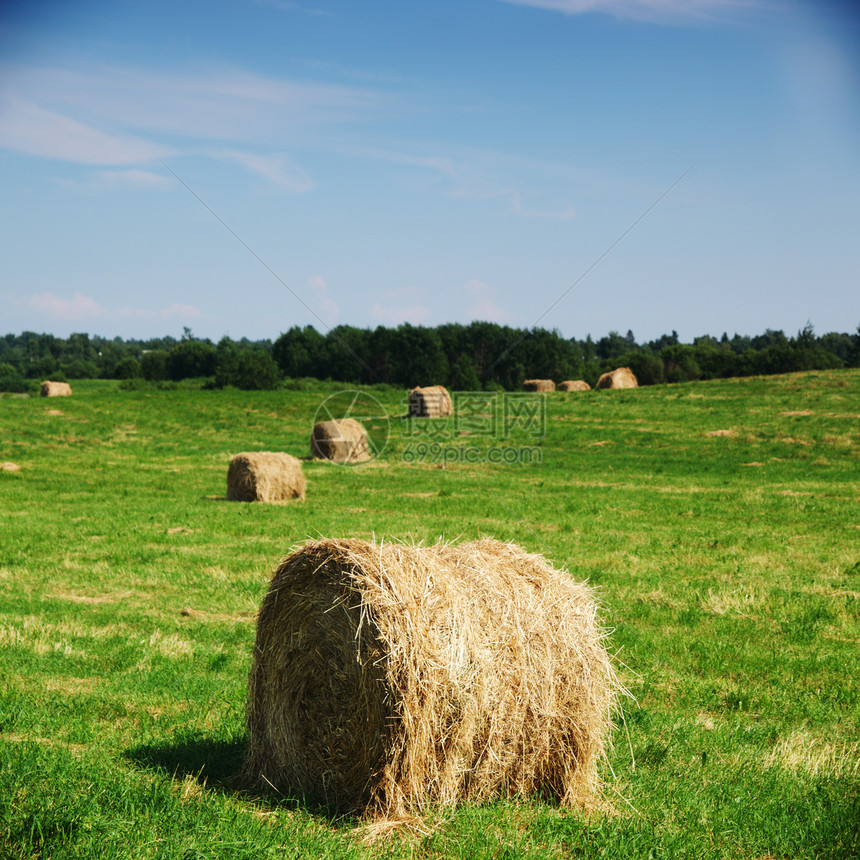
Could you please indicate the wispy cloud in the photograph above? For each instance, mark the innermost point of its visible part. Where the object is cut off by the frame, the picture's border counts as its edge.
(81, 307)
(564, 214)
(476, 175)
(290, 6)
(658, 11)
(481, 303)
(329, 309)
(131, 116)
(400, 306)
(25, 127)
(76, 308)
(219, 103)
(278, 169)
(133, 178)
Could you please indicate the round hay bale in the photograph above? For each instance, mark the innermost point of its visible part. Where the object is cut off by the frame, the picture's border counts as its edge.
(621, 377)
(538, 385)
(387, 678)
(574, 385)
(264, 476)
(342, 440)
(434, 401)
(54, 389)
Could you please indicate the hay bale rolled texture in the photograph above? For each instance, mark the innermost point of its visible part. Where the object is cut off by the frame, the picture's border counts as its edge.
(574, 385)
(264, 476)
(387, 678)
(621, 377)
(433, 401)
(342, 440)
(54, 389)
(538, 385)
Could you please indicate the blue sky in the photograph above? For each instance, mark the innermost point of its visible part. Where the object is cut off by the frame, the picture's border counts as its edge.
(429, 162)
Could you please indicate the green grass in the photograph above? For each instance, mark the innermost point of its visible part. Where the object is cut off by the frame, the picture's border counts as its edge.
(728, 567)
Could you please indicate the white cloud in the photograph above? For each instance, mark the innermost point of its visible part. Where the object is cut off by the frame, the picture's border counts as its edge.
(225, 103)
(668, 11)
(321, 299)
(463, 179)
(129, 116)
(176, 310)
(400, 306)
(278, 169)
(81, 307)
(290, 6)
(28, 128)
(482, 303)
(560, 214)
(134, 178)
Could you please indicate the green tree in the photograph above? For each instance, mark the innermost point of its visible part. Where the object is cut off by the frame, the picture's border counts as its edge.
(679, 363)
(127, 368)
(11, 379)
(153, 365)
(256, 370)
(301, 352)
(463, 375)
(190, 359)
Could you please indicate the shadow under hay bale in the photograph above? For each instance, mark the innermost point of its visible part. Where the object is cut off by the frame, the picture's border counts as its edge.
(538, 385)
(264, 476)
(621, 377)
(574, 385)
(434, 401)
(342, 440)
(54, 389)
(387, 678)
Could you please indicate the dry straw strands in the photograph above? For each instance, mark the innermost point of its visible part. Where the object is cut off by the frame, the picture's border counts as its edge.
(621, 377)
(574, 385)
(538, 385)
(387, 678)
(342, 440)
(434, 401)
(9, 466)
(264, 476)
(54, 389)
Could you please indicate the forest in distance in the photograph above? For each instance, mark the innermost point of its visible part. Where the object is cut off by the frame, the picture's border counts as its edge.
(475, 356)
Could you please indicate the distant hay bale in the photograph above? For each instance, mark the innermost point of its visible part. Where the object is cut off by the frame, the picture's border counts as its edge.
(54, 389)
(264, 476)
(621, 377)
(538, 385)
(387, 678)
(433, 401)
(574, 385)
(342, 440)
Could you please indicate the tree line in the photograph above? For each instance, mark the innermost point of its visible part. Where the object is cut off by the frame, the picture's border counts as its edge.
(462, 357)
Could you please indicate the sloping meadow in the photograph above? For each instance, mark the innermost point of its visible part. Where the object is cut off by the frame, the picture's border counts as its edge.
(716, 522)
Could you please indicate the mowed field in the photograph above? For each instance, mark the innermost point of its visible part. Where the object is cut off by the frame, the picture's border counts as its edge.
(727, 565)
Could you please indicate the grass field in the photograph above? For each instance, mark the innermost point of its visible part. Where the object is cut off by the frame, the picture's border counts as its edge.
(728, 567)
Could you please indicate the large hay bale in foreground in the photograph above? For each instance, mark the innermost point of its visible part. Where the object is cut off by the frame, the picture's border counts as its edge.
(621, 377)
(538, 385)
(54, 389)
(264, 476)
(433, 401)
(342, 440)
(574, 385)
(387, 678)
